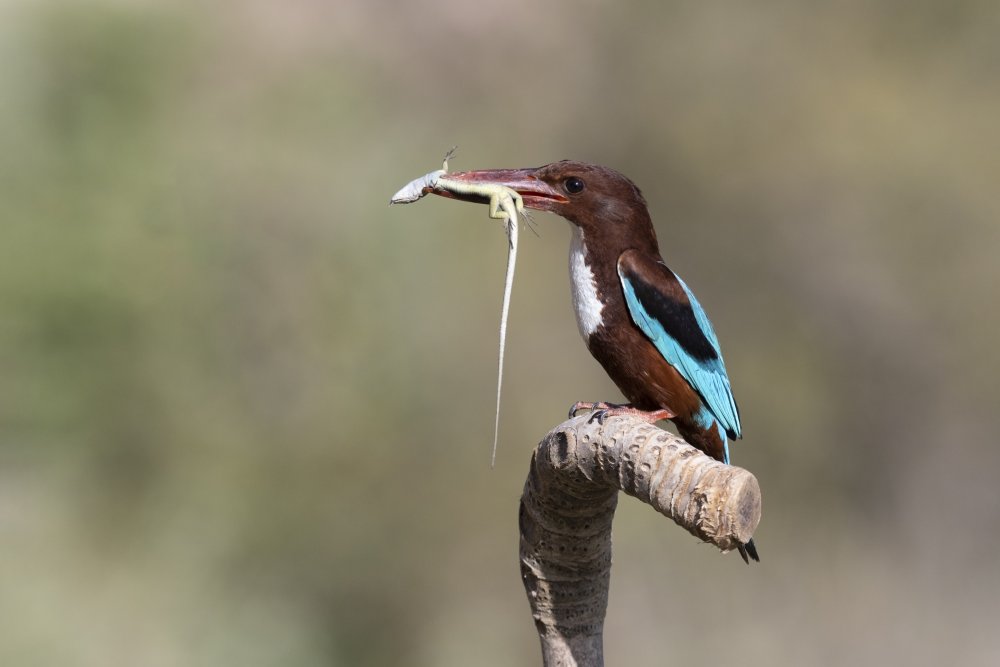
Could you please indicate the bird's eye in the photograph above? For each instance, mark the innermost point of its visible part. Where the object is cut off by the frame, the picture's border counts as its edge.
(574, 185)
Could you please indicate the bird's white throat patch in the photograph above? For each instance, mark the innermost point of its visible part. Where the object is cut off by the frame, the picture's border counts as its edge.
(586, 303)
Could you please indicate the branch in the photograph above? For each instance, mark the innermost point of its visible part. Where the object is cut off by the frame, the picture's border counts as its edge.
(568, 505)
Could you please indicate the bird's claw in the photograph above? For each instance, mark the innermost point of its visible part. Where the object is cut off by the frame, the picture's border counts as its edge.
(583, 405)
(599, 416)
(599, 409)
(602, 411)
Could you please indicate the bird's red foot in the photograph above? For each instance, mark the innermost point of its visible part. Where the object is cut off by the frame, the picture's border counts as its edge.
(604, 410)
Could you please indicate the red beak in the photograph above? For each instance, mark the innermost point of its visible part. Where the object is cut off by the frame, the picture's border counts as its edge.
(537, 194)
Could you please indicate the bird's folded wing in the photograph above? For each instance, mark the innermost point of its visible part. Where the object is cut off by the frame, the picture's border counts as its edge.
(667, 311)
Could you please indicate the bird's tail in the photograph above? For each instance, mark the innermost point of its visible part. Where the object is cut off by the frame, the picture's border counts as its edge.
(748, 551)
(707, 434)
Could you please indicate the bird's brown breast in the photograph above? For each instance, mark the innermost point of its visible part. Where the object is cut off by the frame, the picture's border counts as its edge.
(640, 371)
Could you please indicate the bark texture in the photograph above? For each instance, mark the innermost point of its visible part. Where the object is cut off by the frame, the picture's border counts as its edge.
(568, 505)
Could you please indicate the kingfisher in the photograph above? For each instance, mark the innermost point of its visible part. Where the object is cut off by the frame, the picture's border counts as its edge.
(640, 321)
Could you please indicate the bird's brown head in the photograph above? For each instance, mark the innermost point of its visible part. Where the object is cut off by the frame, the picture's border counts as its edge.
(601, 201)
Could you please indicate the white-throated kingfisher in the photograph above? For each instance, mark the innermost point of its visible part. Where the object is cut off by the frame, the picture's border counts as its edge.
(637, 317)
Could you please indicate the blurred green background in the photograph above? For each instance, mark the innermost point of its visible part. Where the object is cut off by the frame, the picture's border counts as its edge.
(246, 408)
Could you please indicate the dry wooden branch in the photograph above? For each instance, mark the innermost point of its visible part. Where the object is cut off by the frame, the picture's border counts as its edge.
(569, 503)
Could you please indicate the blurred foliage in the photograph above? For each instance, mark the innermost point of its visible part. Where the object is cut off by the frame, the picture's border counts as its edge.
(246, 408)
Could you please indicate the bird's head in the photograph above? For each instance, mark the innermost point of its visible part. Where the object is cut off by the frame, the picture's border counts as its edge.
(600, 201)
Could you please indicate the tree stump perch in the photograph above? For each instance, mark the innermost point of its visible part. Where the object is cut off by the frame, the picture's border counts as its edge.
(569, 503)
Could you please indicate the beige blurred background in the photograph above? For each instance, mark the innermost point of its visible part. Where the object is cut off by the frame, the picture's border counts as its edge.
(246, 408)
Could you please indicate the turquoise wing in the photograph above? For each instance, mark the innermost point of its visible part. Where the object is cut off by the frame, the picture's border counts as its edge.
(666, 310)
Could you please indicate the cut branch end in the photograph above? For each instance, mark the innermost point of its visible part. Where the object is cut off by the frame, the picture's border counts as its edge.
(569, 502)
